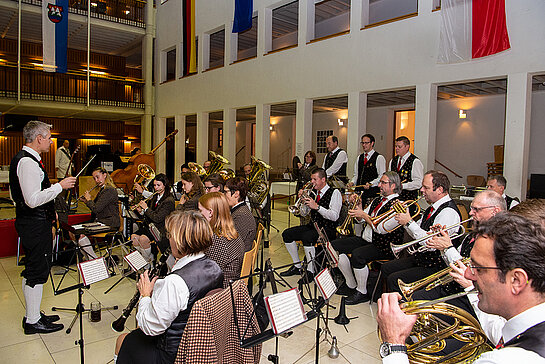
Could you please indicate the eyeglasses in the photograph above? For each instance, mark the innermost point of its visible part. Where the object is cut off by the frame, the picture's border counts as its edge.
(207, 188)
(363, 143)
(384, 182)
(474, 269)
(479, 209)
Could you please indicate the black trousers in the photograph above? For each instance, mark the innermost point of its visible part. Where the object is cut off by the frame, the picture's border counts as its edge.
(306, 233)
(404, 269)
(37, 241)
(140, 348)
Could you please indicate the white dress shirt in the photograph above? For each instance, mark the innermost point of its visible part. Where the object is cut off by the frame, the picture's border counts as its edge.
(335, 204)
(452, 254)
(508, 330)
(342, 157)
(417, 173)
(446, 217)
(170, 296)
(30, 179)
(513, 203)
(380, 163)
(381, 228)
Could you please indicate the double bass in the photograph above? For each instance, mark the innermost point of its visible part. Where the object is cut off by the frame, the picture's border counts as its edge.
(124, 178)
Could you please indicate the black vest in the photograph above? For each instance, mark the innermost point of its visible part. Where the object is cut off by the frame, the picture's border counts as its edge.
(201, 276)
(382, 241)
(367, 173)
(322, 222)
(508, 201)
(433, 259)
(405, 173)
(532, 339)
(22, 210)
(330, 158)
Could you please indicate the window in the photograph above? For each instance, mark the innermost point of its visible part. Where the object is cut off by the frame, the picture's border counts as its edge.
(285, 20)
(217, 49)
(331, 17)
(247, 42)
(171, 65)
(321, 136)
(385, 10)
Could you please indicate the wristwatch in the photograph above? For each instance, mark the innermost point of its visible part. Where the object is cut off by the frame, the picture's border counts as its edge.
(387, 349)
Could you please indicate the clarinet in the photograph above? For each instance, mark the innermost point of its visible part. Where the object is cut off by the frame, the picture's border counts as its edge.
(119, 324)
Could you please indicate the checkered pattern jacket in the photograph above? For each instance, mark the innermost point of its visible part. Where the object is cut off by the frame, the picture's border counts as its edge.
(211, 335)
(229, 255)
(244, 224)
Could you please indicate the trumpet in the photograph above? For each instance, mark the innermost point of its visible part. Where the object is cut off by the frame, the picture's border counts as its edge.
(343, 229)
(398, 207)
(430, 282)
(396, 249)
(299, 208)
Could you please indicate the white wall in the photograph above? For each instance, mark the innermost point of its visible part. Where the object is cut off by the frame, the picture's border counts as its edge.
(536, 163)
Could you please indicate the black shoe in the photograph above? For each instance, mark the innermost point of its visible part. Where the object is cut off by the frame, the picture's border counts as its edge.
(42, 327)
(46, 318)
(293, 271)
(357, 297)
(344, 290)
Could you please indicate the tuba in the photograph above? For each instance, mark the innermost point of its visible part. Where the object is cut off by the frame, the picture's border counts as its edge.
(197, 168)
(145, 175)
(217, 162)
(344, 229)
(258, 188)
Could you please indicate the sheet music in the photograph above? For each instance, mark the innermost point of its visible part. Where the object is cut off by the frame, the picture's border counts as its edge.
(285, 310)
(332, 254)
(135, 260)
(325, 283)
(93, 271)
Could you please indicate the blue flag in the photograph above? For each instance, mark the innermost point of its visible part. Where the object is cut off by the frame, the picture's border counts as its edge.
(55, 35)
(243, 15)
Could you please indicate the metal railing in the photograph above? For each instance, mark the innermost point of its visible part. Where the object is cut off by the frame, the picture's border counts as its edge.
(130, 12)
(71, 87)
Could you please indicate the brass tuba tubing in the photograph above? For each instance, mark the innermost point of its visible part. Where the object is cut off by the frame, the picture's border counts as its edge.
(397, 249)
(145, 200)
(343, 229)
(297, 208)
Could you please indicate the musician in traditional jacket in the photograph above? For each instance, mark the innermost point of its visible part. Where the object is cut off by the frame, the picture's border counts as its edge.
(442, 211)
(34, 217)
(498, 184)
(193, 190)
(374, 243)
(213, 183)
(154, 211)
(335, 160)
(165, 304)
(235, 191)
(325, 205)
(104, 207)
(507, 270)
(369, 167)
(303, 171)
(409, 168)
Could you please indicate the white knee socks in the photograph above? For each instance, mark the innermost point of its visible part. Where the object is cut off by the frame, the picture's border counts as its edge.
(33, 299)
(346, 270)
(361, 277)
(85, 245)
(292, 249)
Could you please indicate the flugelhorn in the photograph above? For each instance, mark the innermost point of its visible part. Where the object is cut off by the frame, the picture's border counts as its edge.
(299, 208)
(428, 283)
(421, 242)
(397, 208)
(343, 229)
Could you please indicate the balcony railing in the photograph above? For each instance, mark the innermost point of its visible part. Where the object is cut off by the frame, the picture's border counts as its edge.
(70, 87)
(130, 12)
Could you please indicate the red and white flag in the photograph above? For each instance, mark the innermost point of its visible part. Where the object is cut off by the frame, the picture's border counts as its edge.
(472, 29)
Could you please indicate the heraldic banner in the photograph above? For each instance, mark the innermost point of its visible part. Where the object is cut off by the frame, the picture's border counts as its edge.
(55, 34)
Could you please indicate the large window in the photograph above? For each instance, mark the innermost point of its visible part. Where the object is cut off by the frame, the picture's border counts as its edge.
(170, 65)
(331, 17)
(247, 42)
(389, 10)
(217, 49)
(285, 20)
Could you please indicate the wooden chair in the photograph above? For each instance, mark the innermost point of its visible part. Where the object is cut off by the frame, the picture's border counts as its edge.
(248, 263)
(463, 212)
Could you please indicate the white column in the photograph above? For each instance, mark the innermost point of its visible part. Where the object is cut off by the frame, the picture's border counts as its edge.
(230, 136)
(202, 137)
(204, 53)
(364, 12)
(303, 127)
(264, 33)
(262, 131)
(231, 44)
(425, 124)
(179, 144)
(517, 133)
(160, 129)
(147, 70)
(356, 15)
(306, 21)
(357, 126)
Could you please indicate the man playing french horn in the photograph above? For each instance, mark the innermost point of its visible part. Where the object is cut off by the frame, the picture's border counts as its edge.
(374, 242)
(325, 205)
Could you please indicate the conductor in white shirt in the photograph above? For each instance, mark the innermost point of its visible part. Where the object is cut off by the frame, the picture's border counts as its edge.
(507, 270)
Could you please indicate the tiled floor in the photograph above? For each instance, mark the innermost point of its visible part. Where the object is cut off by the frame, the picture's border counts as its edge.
(358, 343)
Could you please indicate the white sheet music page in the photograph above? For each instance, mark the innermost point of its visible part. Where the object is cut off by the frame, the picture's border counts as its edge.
(93, 271)
(285, 310)
(332, 253)
(325, 283)
(135, 260)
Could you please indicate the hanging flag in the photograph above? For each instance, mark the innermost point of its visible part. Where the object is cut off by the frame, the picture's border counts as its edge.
(189, 46)
(243, 15)
(472, 29)
(55, 35)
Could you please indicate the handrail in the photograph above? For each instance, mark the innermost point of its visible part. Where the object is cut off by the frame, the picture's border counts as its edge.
(448, 169)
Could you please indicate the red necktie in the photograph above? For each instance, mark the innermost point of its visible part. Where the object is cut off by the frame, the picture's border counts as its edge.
(318, 197)
(42, 164)
(399, 164)
(378, 206)
(429, 214)
(500, 343)
(365, 159)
